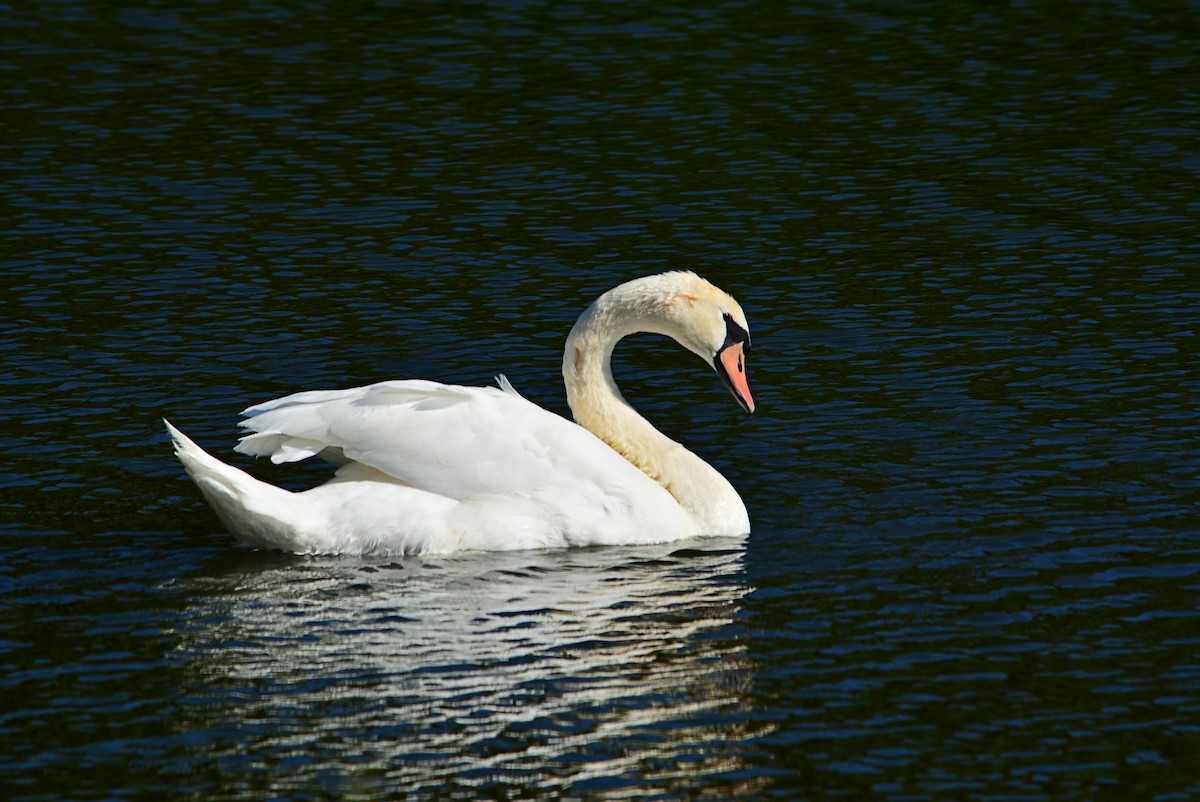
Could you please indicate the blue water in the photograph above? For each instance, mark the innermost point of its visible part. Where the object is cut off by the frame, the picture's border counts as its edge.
(966, 240)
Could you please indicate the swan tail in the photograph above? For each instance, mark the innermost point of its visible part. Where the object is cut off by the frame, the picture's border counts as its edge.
(256, 513)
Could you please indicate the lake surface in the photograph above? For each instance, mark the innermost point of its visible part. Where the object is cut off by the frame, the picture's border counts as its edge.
(967, 241)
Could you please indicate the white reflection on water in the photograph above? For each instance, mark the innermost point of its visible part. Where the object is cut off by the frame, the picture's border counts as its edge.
(554, 669)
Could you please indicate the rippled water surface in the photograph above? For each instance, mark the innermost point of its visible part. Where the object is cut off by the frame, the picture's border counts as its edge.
(966, 237)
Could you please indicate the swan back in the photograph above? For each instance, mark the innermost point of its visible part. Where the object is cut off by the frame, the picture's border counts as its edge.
(481, 446)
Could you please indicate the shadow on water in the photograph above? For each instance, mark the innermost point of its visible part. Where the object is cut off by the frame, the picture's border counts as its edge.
(546, 669)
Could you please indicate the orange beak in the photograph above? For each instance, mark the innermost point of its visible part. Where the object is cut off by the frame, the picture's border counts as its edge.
(731, 366)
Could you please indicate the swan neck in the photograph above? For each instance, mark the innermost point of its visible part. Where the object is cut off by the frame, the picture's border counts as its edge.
(597, 405)
(592, 393)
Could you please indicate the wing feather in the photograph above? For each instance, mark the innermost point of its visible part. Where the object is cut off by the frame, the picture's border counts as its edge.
(455, 441)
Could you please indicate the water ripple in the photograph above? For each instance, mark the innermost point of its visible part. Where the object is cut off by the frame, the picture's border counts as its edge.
(461, 670)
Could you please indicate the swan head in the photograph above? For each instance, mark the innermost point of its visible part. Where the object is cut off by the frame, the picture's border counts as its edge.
(710, 323)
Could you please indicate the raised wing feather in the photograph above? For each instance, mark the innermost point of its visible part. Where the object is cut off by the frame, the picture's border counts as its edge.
(459, 442)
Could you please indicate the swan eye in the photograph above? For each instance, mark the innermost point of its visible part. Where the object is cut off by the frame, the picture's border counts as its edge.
(734, 333)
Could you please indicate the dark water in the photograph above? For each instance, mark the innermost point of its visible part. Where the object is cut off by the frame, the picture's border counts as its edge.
(966, 237)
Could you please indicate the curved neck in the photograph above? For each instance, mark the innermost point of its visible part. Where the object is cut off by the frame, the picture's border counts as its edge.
(597, 405)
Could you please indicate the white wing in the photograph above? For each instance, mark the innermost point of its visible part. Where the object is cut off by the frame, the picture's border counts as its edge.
(458, 442)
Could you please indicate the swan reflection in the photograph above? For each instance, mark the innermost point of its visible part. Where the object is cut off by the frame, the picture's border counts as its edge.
(557, 668)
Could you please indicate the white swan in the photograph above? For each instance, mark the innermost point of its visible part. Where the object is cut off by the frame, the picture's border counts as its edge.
(436, 468)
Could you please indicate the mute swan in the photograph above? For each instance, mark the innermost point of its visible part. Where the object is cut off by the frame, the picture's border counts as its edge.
(436, 468)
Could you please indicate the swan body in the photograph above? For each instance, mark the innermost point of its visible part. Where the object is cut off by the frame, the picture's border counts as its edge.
(426, 467)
